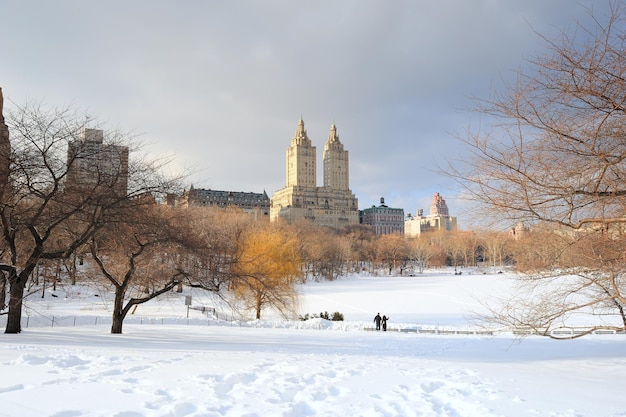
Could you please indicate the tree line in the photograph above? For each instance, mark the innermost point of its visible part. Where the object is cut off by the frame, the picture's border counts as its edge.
(140, 248)
(60, 208)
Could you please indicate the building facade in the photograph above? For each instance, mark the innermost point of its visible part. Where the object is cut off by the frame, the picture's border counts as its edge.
(333, 204)
(439, 219)
(257, 204)
(383, 219)
(94, 165)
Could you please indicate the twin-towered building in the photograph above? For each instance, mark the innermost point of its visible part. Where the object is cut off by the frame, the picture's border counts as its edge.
(332, 204)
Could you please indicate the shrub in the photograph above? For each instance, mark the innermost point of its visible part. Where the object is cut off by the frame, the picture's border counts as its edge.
(336, 316)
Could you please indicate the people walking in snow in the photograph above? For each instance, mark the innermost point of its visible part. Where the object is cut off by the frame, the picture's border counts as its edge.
(384, 321)
(377, 320)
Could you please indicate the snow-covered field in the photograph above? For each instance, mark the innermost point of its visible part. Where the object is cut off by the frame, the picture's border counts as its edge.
(66, 364)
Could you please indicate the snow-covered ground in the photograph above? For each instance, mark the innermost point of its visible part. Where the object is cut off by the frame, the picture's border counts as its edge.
(66, 364)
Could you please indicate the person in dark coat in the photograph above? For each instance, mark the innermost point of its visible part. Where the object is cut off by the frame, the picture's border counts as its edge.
(377, 320)
(384, 321)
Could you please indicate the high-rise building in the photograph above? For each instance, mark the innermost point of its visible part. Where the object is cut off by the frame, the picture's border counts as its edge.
(96, 166)
(439, 219)
(332, 205)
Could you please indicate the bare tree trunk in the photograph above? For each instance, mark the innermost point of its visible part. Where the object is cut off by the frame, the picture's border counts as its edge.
(71, 268)
(57, 275)
(3, 290)
(258, 308)
(16, 296)
(118, 322)
(118, 311)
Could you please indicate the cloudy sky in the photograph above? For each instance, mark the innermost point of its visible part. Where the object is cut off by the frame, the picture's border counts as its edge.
(220, 85)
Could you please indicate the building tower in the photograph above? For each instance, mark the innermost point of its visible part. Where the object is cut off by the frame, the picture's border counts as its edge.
(301, 162)
(439, 206)
(336, 168)
(95, 166)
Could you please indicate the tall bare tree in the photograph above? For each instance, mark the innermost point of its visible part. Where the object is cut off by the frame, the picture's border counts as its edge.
(138, 256)
(555, 153)
(496, 247)
(37, 207)
(420, 251)
(213, 251)
(393, 252)
(358, 236)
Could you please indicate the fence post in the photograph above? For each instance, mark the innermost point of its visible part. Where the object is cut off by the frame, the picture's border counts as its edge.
(52, 321)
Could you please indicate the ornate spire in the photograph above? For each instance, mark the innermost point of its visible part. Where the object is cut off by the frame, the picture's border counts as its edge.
(333, 137)
(301, 137)
(300, 131)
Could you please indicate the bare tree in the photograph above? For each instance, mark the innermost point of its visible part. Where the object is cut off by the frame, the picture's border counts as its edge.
(394, 252)
(496, 248)
(325, 251)
(137, 257)
(213, 251)
(308, 245)
(38, 204)
(358, 236)
(334, 251)
(556, 154)
(420, 251)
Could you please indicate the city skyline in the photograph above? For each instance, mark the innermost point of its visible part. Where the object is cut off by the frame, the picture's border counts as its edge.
(221, 86)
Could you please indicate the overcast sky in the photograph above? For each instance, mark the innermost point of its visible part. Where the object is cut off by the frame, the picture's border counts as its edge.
(221, 84)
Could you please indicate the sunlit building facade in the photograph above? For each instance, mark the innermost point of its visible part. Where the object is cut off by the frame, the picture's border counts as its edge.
(438, 219)
(333, 204)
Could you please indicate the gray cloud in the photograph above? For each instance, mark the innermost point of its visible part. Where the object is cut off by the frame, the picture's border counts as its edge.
(222, 84)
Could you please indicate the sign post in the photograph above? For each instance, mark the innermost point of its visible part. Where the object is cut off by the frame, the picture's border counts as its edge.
(188, 303)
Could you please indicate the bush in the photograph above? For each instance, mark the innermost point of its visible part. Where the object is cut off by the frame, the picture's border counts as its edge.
(336, 316)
